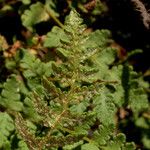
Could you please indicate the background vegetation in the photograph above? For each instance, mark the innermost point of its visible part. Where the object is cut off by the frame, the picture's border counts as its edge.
(92, 97)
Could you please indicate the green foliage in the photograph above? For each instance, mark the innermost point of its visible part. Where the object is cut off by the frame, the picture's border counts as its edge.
(6, 129)
(35, 15)
(36, 12)
(71, 100)
(89, 147)
(10, 97)
(119, 143)
(143, 124)
(34, 69)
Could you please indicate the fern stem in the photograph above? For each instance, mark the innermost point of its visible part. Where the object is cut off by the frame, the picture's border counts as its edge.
(72, 132)
(54, 18)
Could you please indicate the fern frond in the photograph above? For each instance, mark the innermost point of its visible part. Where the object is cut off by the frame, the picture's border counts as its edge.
(72, 100)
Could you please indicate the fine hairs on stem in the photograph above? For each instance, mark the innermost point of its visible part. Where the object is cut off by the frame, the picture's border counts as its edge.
(144, 12)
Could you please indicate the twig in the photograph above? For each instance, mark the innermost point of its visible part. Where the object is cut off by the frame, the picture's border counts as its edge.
(144, 12)
(54, 18)
(90, 5)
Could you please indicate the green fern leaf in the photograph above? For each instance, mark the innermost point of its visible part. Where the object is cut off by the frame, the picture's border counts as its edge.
(73, 146)
(104, 105)
(34, 15)
(10, 96)
(103, 134)
(22, 145)
(55, 37)
(6, 129)
(138, 100)
(89, 146)
(119, 143)
(34, 69)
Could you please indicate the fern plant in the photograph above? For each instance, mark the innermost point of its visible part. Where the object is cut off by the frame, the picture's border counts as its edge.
(71, 100)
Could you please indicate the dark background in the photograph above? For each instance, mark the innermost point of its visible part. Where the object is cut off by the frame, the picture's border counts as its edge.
(128, 30)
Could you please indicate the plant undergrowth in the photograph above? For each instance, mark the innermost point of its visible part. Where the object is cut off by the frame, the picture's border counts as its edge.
(76, 96)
